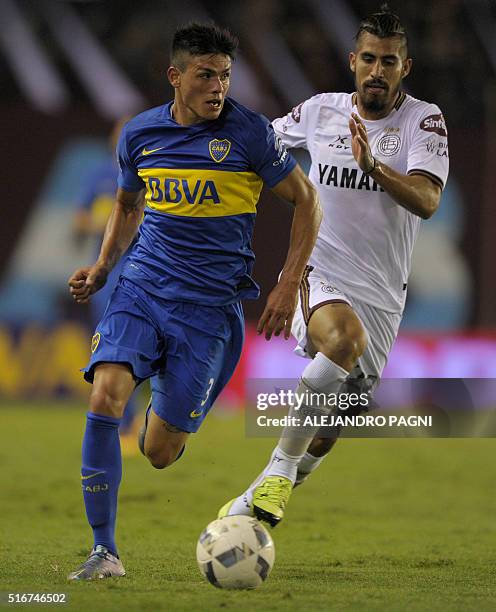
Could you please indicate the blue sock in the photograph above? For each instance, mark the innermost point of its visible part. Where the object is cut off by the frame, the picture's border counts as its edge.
(101, 474)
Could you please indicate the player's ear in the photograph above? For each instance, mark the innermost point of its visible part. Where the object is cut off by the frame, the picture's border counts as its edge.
(352, 58)
(174, 76)
(407, 66)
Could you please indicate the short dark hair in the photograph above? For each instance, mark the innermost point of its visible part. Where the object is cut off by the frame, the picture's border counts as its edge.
(202, 39)
(383, 24)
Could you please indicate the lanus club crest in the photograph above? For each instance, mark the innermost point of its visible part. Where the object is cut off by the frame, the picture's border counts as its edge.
(219, 149)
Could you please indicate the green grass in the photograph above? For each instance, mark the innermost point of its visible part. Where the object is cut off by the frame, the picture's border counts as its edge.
(403, 524)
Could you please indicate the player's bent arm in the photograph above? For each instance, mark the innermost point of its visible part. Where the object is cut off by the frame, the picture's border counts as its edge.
(119, 232)
(121, 227)
(417, 193)
(299, 191)
(281, 303)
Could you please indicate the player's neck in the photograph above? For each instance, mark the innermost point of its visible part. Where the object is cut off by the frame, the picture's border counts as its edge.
(183, 115)
(371, 115)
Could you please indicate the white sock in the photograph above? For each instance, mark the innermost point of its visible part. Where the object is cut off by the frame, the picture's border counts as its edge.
(282, 464)
(308, 463)
(320, 376)
(241, 505)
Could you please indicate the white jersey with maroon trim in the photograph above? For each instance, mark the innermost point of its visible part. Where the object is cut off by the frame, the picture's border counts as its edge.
(366, 240)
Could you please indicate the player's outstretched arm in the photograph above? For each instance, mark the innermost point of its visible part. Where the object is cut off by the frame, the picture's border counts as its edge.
(281, 303)
(121, 228)
(417, 193)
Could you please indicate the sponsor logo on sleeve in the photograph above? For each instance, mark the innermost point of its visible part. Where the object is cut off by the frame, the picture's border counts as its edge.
(434, 123)
(281, 151)
(296, 113)
(442, 149)
(431, 144)
(439, 147)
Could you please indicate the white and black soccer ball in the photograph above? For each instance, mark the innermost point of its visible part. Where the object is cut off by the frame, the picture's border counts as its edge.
(235, 552)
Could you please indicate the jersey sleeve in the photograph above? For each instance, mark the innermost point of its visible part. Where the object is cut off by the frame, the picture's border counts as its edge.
(269, 157)
(428, 153)
(292, 128)
(127, 178)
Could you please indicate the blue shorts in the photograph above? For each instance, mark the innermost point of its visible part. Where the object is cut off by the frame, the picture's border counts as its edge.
(190, 350)
(99, 301)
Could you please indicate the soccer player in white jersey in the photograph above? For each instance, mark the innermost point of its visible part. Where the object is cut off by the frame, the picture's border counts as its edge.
(379, 162)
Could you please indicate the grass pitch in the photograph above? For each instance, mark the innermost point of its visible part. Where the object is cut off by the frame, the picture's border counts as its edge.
(403, 524)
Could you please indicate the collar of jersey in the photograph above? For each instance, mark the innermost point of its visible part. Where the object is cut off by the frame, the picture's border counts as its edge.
(195, 126)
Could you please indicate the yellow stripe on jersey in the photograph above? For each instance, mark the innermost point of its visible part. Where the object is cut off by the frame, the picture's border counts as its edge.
(201, 193)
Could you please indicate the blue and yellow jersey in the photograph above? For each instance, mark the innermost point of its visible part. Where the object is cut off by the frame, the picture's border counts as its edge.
(202, 187)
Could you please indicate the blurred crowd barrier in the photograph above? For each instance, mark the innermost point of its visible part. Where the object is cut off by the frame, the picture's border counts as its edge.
(44, 362)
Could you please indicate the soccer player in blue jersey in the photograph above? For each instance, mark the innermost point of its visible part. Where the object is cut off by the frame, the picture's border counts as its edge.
(176, 314)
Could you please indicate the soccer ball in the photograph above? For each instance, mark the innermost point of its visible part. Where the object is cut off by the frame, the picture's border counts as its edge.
(235, 552)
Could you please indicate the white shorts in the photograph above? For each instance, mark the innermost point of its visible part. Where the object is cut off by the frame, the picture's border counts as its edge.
(317, 289)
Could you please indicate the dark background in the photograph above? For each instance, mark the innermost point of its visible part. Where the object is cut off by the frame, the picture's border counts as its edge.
(454, 66)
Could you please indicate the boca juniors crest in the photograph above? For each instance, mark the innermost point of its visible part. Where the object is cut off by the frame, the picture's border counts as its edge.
(219, 149)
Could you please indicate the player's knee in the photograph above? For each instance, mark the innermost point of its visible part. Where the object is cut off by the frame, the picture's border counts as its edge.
(160, 458)
(105, 401)
(344, 344)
